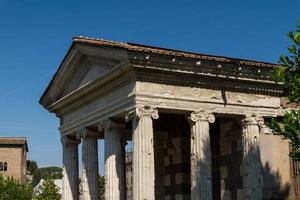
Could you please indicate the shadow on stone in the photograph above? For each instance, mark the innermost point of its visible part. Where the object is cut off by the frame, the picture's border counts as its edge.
(273, 187)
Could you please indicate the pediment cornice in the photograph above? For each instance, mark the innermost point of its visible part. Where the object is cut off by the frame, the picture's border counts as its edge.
(117, 76)
(79, 57)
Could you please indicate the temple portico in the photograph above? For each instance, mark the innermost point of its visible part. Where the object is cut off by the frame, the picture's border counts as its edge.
(197, 123)
(141, 121)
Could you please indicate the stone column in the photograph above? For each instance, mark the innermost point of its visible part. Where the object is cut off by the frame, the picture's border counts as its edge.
(90, 169)
(251, 168)
(201, 183)
(143, 152)
(115, 183)
(70, 182)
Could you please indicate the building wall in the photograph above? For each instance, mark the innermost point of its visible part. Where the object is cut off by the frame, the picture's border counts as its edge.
(177, 167)
(172, 157)
(276, 167)
(16, 162)
(230, 159)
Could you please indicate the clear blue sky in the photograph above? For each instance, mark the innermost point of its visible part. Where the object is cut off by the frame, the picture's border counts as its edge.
(35, 35)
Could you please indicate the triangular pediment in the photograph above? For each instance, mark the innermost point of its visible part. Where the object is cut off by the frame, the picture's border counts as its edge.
(94, 72)
(85, 73)
(81, 66)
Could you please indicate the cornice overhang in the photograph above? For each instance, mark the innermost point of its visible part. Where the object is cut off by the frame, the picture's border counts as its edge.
(54, 85)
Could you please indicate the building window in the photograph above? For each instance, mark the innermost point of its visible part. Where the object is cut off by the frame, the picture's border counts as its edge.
(1, 166)
(5, 166)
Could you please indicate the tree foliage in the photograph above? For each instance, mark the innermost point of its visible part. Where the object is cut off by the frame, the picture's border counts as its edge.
(31, 166)
(101, 187)
(289, 76)
(11, 189)
(48, 190)
(46, 172)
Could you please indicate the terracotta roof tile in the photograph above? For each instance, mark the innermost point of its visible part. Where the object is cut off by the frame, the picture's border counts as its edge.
(170, 52)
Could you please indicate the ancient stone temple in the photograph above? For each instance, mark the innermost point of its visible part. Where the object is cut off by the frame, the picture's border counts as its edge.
(197, 124)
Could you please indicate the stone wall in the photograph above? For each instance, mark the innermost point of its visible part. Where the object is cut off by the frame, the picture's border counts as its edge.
(276, 167)
(230, 159)
(172, 144)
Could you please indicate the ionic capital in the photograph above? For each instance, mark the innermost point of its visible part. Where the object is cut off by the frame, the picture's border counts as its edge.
(87, 133)
(251, 119)
(109, 124)
(67, 140)
(202, 115)
(142, 112)
(256, 120)
(264, 129)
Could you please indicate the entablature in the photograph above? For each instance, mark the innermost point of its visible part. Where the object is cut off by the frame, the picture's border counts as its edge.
(202, 73)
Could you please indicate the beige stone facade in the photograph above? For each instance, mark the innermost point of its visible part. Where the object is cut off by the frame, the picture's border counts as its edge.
(197, 123)
(13, 153)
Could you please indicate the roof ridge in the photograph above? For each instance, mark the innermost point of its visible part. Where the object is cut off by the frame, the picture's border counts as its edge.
(97, 39)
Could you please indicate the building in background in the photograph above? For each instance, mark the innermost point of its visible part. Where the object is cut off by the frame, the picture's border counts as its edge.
(13, 151)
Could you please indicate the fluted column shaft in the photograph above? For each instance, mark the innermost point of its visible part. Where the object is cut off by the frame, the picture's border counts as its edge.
(143, 153)
(70, 182)
(90, 169)
(115, 185)
(201, 183)
(252, 169)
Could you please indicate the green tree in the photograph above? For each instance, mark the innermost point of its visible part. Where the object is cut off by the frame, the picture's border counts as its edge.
(101, 187)
(11, 189)
(31, 167)
(289, 76)
(46, 172)
(48, 190)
